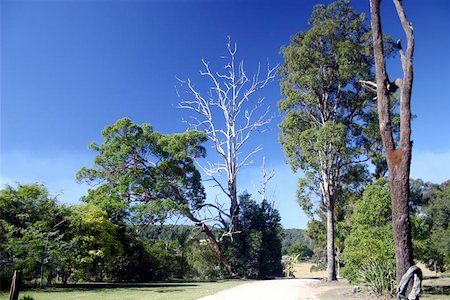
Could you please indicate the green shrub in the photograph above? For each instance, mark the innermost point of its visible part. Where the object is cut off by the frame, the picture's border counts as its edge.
(255, 252)
(379, 275)
(204, 261)
(370, 238)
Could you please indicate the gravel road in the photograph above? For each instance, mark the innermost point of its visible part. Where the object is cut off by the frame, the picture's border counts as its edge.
(280, 289)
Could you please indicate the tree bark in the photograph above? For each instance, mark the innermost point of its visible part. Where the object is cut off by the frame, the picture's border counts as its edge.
(398, 158)
(399, 186)
(331, 264)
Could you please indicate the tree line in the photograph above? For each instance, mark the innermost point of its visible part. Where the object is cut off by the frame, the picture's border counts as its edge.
(104, 240)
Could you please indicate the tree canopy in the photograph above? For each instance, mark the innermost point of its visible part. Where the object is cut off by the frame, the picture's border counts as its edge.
(142, 165)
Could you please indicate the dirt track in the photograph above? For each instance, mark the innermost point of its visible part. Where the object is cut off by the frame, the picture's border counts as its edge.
(280, 289)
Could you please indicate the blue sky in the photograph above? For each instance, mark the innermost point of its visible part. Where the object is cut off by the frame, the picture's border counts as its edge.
(69, 68)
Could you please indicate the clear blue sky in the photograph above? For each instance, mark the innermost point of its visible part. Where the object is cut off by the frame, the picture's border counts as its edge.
(68, 68)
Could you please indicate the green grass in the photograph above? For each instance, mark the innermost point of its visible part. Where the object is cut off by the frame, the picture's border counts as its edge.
(148, 291)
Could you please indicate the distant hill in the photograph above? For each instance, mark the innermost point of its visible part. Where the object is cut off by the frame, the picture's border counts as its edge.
(292, 236)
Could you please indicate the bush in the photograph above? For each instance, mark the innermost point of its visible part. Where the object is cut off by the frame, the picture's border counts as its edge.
(204, 262)
(370, 238)
(256, 251)
(379, 275)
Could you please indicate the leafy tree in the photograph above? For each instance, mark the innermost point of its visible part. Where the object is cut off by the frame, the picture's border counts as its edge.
(370, 238)
(96, 243)
(430, 227)
(327, 109)
(116, 207)
(29, 233)
(421, 194)
(292, 236)
(301, 249)
(144, 166)
(316, 231)
(256, 250)
(203, 261)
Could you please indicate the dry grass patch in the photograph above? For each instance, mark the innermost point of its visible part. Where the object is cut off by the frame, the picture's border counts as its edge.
(303, 270)
(342, 290)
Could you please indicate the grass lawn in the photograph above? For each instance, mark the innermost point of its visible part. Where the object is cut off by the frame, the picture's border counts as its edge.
(148, 291)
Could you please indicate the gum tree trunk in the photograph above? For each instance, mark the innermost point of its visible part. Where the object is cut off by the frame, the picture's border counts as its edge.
(398, 155)
(218, 251)
(331, 264)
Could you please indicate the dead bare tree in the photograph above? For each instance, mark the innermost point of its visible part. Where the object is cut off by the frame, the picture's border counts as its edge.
(228, 115)
(398, 154)
(265, 178)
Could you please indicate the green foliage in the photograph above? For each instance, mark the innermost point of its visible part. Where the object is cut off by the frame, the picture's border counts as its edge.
(29, 233)
(430, 225)
(140, 165)
(115, 206)
(187, 250)
(379, 275)
(370, 239)
(325, 106)
(96, 243)
(203, 261)
(292, 236)
(300, 249)
(255, 252)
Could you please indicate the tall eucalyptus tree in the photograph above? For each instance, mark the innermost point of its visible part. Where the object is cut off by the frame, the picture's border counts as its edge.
(326, 108)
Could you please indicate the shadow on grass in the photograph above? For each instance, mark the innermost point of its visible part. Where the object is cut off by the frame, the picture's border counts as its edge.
(76, 287)
(170, 291)
(436, 289)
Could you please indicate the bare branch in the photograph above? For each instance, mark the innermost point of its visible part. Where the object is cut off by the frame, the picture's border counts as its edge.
(218, 184)
(228, 115)
(265, 178)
